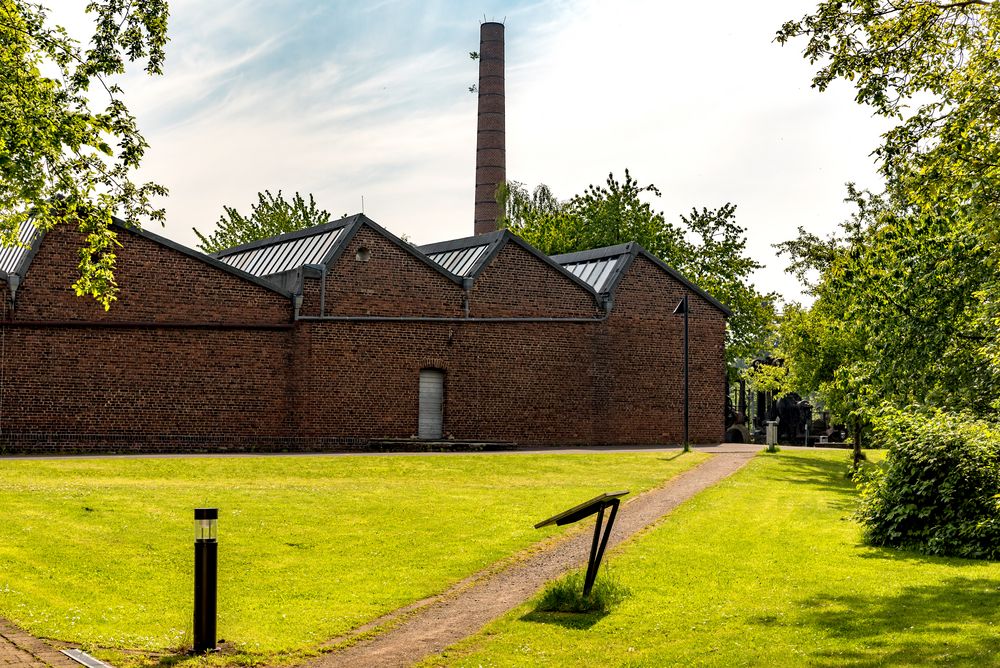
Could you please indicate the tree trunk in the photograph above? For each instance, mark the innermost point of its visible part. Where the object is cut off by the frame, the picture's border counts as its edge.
(857, 443)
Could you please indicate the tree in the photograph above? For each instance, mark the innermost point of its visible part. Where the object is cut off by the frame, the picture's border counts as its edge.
(911, 281)
(935, 66)
(270, 216)
(708, 246)
(60, 160)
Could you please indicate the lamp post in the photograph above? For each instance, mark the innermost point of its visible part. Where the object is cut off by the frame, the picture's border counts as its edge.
(683, 308)
(206, 564)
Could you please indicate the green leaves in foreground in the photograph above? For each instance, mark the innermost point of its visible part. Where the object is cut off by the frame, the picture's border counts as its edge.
(61, 161)
(906, 308)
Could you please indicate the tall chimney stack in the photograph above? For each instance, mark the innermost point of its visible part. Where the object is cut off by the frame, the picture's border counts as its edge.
(491, 159)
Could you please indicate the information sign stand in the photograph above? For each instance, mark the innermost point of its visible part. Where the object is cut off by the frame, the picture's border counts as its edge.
(586, 509)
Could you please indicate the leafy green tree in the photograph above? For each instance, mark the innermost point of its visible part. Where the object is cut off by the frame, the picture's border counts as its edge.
(270, 216)
(935, 66)
(61, 160)
(906, 292)
(708, 246)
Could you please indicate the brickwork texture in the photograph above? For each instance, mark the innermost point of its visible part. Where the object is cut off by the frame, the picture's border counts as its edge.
(194, 358)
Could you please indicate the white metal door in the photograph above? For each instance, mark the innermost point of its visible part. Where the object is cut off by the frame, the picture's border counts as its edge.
(431, 419)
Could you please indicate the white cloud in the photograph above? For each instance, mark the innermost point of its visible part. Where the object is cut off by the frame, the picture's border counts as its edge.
(694, 97)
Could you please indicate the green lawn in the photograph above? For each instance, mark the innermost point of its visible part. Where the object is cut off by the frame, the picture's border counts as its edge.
(99, 552)
(765, 569)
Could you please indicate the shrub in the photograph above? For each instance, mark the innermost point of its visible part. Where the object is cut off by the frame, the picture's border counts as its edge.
(566, 594)
(937, 490)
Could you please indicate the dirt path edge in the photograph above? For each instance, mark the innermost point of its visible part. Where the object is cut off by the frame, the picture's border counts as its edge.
(427, 627)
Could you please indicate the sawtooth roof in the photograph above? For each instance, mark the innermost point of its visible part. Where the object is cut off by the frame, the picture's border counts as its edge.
(319, 245)
(599, 271)
(603, 269)
(13, 257)
(470, 255)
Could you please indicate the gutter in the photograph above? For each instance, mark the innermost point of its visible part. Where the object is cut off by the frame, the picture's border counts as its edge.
(146, 324)
(421, 318)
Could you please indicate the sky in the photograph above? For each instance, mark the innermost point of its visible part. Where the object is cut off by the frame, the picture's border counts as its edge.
(367, 104)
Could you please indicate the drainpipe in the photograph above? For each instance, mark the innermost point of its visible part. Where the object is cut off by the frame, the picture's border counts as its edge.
(467, 286)
(321, 268)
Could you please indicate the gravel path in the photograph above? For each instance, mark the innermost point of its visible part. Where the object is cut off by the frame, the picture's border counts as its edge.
(428, 627)
(20, 650)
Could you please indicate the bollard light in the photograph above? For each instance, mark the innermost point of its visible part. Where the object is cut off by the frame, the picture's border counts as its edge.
(206, 562)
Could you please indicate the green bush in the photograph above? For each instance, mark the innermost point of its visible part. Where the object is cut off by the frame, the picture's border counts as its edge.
(566, 594)
(937, 491)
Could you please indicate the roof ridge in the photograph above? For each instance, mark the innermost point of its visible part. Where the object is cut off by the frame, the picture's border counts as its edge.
(287, 236)
(463, 242)
(593, 253)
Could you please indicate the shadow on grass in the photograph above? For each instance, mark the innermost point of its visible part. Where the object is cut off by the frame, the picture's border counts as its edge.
(908, 556)
(671, 458)
(823, 475)
(580, 621)
(925, 624)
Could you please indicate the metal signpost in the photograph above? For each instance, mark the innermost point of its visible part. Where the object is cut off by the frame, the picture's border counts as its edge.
(586, 509)
(683, 308)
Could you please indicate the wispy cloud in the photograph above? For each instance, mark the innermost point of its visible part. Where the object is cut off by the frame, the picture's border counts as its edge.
(370, 99)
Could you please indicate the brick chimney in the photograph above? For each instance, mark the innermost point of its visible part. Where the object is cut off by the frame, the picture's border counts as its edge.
(491, 160)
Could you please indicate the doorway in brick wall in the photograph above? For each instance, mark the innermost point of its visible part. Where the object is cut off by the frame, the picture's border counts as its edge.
(430, 424)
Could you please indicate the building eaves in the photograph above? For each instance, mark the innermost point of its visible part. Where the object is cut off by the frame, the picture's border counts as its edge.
(626, 254)
(289, 236)
(593, 254)
(364, 221)
(677, 275)
(464, 242)
(276, 255)
(201, 257)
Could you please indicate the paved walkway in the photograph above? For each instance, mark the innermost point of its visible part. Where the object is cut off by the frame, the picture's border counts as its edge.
(20, 650)
(427, 627)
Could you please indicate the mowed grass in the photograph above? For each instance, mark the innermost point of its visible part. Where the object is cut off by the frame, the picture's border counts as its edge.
(100, 551)
(765, 569)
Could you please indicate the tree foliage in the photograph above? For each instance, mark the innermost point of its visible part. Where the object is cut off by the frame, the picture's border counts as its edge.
(906, 309)
(938, 491)
(270, 216)
(62, 161)
(707, 246)
(935, 67)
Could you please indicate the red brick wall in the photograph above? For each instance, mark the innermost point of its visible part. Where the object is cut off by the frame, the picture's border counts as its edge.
(518, 284)
(132, 381)
(311, 296)
(504, 381)
(121, 386)
(156, 283)
(645, 358)
(391, 283)
(337, 384)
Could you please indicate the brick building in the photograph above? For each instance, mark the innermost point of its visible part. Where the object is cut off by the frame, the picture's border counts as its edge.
(342, 334)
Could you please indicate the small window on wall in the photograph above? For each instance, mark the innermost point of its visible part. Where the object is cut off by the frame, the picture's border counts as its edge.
(363, 254)
(430, 424)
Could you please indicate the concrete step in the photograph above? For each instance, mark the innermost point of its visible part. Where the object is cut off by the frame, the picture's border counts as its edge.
(417, 445)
